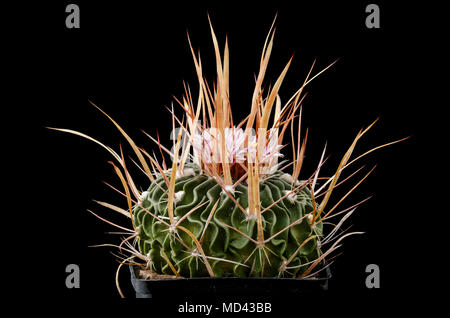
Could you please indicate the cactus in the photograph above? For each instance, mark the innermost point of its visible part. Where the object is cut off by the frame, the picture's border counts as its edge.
(218, 240)
(226, 206)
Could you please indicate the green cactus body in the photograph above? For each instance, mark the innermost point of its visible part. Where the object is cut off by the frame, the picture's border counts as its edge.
(224, 246)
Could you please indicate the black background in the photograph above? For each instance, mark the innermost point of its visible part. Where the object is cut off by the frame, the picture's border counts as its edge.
(131, 58)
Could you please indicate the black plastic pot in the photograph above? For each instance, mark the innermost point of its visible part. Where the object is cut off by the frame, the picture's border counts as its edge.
(148, 288)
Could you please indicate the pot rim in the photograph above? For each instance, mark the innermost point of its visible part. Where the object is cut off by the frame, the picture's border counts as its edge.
(322, 277)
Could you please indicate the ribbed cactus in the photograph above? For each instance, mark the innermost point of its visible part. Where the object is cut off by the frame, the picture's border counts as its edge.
(226, 206)
(219, 241)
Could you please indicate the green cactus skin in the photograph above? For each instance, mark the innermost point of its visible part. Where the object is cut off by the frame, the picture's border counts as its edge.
(220, 241)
